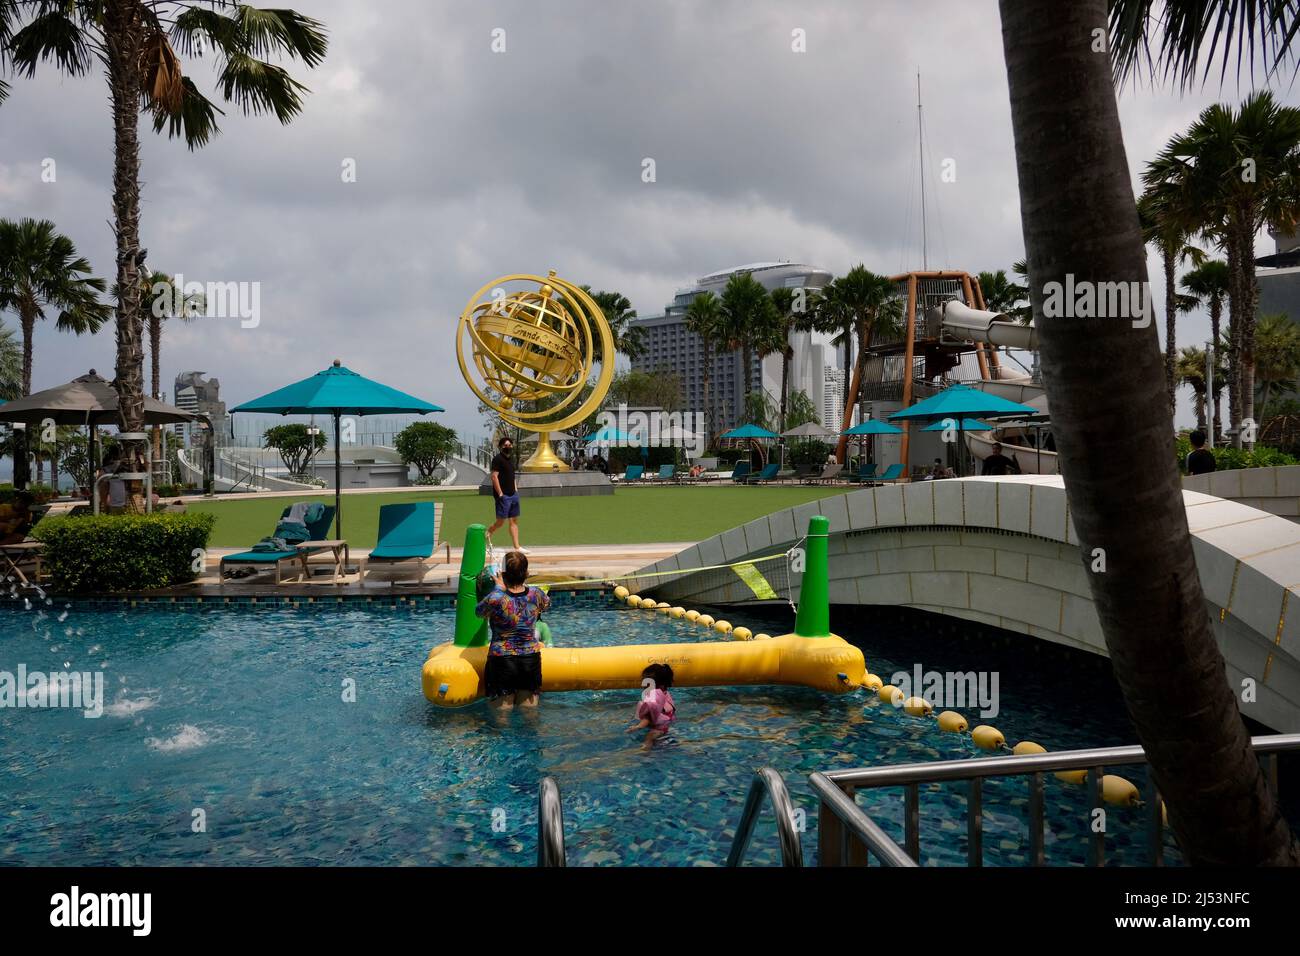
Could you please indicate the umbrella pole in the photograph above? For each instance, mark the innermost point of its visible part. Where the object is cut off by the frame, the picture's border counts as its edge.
(338, 481)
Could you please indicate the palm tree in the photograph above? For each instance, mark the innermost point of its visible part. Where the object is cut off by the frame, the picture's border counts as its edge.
(11, 365)
(831, 317)
(629, 339)
(1233, 172)
(874, 306)
(1191, 372)
(160, 299)
(1113, 428)
(1003, 295)
(704, 319)
(789, 321)
(1277, 357)
(1208, 283)
(748, 318)
(1162, 228)
(139, 44)
(40, 271)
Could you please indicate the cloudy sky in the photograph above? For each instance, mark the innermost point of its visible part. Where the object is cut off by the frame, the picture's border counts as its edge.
(472, 163)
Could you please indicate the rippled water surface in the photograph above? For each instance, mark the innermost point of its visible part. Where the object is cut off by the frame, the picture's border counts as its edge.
(235, 719)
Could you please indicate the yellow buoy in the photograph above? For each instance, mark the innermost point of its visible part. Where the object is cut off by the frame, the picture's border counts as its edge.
(917, 706)
(762, 637)
(704, 620)
(621, 592)
(692, 616)
(634, 600)
(988, 738)
(952, 722)
(1119, 792)
(663, 607)
(722, 627)
(1071, 776)
(649, 603)
(890, 694)
(742, 634)
(1028, 747)
(872, 682)
(677, 612)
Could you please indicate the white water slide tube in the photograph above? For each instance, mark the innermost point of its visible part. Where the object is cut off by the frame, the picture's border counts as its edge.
(992, 328)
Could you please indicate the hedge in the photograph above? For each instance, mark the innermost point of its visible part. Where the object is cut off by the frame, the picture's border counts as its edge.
(101, 554)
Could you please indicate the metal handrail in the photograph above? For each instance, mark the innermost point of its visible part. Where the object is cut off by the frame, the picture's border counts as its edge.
(550, 824)
(767, 781)
(841, 816)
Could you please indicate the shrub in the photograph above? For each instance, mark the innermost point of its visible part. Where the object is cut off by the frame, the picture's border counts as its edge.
(101, 554)
(1227, 458)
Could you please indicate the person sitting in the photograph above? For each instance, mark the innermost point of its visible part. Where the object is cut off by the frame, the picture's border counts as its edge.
(939, 470)
(1200, 461)
(696, 470)
(998, 463)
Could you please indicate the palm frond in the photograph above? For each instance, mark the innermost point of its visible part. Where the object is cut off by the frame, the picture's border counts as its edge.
(265, 32)
(54, 35)
(259, 87)
(1179, 34)
(195, 121)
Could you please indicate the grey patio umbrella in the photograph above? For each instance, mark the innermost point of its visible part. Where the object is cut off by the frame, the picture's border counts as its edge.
(808, 430)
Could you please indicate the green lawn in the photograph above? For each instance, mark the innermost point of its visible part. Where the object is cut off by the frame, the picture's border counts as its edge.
(629, 516)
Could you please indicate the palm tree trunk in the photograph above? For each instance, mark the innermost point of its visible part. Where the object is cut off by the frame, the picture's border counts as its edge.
(708, 407)
(854, 389)
(22, 445)
(1171, 320)
(1250, 298)
(1122, 484)
(155, 367)
(1236, 320)
(785, 382)
(123, 35)
(1216, 314)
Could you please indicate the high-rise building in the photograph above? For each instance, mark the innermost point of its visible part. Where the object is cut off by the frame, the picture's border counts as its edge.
(672, 347)
(194, 393)
(832, 397)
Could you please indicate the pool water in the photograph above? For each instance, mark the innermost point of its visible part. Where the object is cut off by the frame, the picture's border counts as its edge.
(227, 739)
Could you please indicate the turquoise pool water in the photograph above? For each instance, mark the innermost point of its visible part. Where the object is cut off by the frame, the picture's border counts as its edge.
(240, 714)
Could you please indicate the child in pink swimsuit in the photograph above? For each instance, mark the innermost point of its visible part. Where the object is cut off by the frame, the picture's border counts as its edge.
(656, 711)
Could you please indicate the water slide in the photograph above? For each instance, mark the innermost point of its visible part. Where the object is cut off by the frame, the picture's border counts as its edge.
(962, 322)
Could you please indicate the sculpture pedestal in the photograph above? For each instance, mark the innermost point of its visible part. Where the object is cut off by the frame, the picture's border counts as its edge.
(556, 484)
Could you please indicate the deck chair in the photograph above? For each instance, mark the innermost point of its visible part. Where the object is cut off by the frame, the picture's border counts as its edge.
(14, 558)
(829, 473)
(741, 472)
(633, 473)
(769, 473)
(408, 532)
(892, 474)
(666, 473)
(865, 474)
(319, 531)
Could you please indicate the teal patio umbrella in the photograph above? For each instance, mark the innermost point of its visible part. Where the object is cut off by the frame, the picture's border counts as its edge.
(872, 426)
(750, 433)
(338, 391)
(965, 425)
(958, 402)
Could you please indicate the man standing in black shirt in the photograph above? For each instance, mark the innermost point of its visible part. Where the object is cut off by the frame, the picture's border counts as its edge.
(1201, 460)
(505, 493)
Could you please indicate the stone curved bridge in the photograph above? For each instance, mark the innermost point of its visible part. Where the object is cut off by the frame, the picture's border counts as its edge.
(1003, 551)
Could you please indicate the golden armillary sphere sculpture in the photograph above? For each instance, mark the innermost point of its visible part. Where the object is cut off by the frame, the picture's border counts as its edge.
(533, 344)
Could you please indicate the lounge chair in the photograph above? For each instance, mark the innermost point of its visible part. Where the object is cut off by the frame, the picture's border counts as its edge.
(892, 474)
(666, 473)
(829, 473)
(769, 473)
(408, 532)
(804, 473)
(19, 555)
(866, 473)
(633, 473)
(319, 531)
(741, 472)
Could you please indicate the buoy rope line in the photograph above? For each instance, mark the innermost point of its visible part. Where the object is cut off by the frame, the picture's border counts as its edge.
(1115, 789)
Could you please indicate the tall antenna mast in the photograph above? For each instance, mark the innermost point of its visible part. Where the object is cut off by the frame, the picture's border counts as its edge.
(920, 149)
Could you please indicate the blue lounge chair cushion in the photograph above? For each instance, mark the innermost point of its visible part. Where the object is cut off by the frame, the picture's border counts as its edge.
(397, 553)
(405, 531)
(258, 557)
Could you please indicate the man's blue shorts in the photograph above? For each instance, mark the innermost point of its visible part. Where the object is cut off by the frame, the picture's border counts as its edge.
(508, 506)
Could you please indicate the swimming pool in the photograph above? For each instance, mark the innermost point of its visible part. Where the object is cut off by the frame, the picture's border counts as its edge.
(236, 718)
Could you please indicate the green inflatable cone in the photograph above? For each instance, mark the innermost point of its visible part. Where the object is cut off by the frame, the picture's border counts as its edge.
(814, 616)
(471, 630)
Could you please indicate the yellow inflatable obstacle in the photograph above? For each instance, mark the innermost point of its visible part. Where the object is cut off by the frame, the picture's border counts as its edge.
(811, 656)
(453, 676)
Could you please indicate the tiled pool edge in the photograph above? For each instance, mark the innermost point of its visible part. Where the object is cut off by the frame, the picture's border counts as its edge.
(567, 597)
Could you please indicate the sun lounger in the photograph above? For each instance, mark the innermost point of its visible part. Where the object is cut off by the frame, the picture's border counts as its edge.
(408, 532)
(741, 472)
(769, 473)
(866, 473)
(666, 473)
(892, 474)
(829, 473)
(319, 531)
(633, 473)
